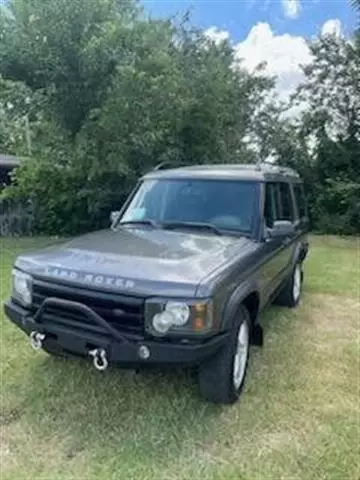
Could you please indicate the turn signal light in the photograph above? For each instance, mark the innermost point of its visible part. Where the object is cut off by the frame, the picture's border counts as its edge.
(198, 324)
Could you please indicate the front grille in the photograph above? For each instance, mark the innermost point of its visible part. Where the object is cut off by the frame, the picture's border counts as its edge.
(123, 312)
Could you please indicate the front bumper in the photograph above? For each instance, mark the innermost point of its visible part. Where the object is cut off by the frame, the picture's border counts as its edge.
(127, 352)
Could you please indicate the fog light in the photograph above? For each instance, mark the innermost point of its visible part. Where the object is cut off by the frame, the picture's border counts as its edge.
(144, 352)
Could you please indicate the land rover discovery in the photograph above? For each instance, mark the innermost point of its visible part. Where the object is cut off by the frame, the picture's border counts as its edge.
(180, 278)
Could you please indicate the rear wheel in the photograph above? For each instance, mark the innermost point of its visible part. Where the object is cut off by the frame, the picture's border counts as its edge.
(291, 293)
(221, 378)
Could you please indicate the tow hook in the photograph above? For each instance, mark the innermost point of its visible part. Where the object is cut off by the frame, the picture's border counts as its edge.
(36, 340)
(100, 360)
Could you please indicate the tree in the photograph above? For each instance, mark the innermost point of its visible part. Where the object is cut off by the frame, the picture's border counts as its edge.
(123, 93)
(331, 121)
(16, 105)
(356, 6)
(331, 90)
(69, 48)
(107, 94)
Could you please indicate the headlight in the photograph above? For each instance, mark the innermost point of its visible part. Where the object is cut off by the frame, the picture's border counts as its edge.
(162, 322)
(175, 315)
(192, 317)
(22, 287)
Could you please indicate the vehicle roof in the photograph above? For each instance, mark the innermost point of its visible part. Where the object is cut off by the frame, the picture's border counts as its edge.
(255, 172)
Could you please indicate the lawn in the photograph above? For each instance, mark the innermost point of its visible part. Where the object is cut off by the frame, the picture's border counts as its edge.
(298, 418)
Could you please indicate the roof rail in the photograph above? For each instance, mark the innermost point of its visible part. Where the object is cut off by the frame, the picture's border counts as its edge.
(289, 171)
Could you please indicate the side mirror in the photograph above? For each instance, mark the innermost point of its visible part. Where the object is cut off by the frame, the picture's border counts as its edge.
(282, 228)
(114, 216)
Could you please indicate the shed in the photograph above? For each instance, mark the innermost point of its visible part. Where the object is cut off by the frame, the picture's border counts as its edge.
(7, 164)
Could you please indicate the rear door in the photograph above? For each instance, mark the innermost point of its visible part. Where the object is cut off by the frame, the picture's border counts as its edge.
(302, 221)
(300, 202)
(286, 212)
(278, 251)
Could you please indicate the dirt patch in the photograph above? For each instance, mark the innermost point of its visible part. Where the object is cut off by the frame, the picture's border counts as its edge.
(9, 416)
(331, 314)
(19, 440)
(6, 458)
(321, 385)
(8, 452)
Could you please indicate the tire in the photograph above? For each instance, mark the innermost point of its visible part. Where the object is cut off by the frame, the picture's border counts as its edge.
(291, 292)
(216, 377)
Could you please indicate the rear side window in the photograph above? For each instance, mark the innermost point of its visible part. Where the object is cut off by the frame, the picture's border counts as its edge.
(300, 200)
(286, 211)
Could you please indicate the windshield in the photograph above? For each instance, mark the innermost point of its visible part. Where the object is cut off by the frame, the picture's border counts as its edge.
(224, 204)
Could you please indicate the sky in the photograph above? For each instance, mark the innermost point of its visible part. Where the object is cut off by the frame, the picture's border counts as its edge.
(275, 31)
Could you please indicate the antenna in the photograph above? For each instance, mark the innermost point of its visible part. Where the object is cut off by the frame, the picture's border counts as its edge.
(258, 164)
(165, 164)
(160, 166)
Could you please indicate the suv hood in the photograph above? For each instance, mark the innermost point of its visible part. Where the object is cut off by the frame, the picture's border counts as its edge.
(136, 260)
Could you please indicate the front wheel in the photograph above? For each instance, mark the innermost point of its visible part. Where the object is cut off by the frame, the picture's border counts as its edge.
(221, 378)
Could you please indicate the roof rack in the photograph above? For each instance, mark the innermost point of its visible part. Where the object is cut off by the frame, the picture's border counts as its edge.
(261, 167)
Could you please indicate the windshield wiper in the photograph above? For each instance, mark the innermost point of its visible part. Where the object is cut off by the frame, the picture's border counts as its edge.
(194, 225)
(152, 223)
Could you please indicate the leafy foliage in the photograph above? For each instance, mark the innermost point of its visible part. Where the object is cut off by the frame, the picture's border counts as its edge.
(68, 47)
(16, 101)
(98, 94)
(325, 144)
(121, 94)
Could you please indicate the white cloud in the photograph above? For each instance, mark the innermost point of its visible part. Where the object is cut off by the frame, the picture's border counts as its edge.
(283, 54)
(332, 27)
(291, 8)
(216, 35)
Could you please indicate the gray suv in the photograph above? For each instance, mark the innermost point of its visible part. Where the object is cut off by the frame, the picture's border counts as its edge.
(180, 278)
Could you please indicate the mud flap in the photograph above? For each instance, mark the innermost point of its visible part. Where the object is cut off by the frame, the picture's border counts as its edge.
(257, 335)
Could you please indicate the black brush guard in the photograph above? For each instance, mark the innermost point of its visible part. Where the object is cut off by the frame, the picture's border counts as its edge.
(109, 345)
(85, 310)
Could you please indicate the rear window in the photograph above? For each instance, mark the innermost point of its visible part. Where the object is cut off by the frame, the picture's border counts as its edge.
(285, 202)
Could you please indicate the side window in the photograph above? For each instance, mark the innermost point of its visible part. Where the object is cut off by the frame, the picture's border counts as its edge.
(285, 202)
(271, 210)
(300, 200)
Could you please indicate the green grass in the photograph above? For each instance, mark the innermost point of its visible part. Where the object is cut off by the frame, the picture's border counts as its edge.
(298, 418)
(334, 265)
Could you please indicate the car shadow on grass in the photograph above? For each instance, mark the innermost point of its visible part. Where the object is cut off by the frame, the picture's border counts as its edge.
(152, 413)
(150, 410)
